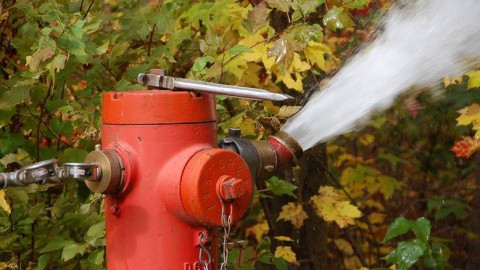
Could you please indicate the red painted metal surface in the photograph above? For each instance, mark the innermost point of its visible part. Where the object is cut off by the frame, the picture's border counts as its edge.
(167, 143)
(284, 155)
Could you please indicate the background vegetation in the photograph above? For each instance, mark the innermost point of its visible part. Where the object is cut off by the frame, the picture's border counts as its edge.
(333, 211)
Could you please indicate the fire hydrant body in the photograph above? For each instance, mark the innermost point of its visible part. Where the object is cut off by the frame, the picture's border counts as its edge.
(169, 184)
(176, 182)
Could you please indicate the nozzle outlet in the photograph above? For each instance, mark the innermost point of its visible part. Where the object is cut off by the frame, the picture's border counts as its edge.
(277, 153)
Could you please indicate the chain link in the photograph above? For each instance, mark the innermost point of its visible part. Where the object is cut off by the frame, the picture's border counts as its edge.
(203, 248)
(227, 226)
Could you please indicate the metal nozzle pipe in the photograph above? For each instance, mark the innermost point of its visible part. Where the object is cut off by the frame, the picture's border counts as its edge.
(277, 153)
(267, 157)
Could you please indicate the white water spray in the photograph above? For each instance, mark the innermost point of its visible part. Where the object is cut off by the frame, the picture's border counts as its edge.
(422, 41)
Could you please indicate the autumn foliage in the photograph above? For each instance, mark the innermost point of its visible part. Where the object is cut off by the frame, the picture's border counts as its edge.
(390, 195)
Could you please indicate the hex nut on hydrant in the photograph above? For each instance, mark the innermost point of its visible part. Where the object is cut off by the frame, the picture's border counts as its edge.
(230, 188)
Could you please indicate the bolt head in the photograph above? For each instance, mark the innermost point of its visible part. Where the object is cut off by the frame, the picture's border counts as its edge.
(232, 188)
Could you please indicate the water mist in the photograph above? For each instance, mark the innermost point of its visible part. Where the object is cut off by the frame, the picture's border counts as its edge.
(421, 42)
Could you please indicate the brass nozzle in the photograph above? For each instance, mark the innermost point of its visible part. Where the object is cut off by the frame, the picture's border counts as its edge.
(276, 153)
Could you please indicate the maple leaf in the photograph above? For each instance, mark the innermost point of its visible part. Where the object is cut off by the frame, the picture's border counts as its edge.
(473, 79)
(3, 202)
(321, 55)
(296, 66)
(280, 5)
(337, 18)
(330, 207)
(258, 230)
(470, 115)
(283, 238)
(41, 55)
(466, 147)
(257, 17)
(287, 111)
(294, 213)
(285, 253)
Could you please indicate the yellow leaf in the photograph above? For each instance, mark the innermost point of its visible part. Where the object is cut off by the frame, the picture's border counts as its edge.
(287, 76)
(287, 111)
(457, 80)
(271, 108)
(3, 203)
(295, 84)
(376, 204)
(469, 115)
(294, 213)
(286, 253)
(473, 79)
(376, 218)
(258, 230)
(257, 44)
(366, 139)
(344, 246)
(330, 207)
(246, 124)
(318, 53)
(236, 66)
(298, 65)
(388, 185)
(283, 238)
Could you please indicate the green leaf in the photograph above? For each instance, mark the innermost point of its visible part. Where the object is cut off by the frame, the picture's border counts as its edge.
(95, 232)
(202, 62)
(399, 227)
(356, 4)
(58, 63)
(237, 49)
(421, 228)
(74, 155)
(6, 240)
(72, 44)
(97, 257)
(102, 48)
(430, 262)
(118, 50)
(281, 187)
(337, 18)
(18, 195)
(281, 5)
(406, 254)
(71, 250)
(56, 244)
(280, 263)
(302, 34)
(304, 7)
(42, 261)
(14, 97)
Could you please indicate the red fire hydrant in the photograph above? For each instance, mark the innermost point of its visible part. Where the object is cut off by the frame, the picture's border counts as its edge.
(168, 185)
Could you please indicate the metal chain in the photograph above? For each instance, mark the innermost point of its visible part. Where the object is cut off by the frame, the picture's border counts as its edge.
(227, 226)
(203, 248)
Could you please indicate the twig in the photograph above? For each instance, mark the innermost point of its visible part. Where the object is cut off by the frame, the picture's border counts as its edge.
(32, 242)
(88, 9)
(110, 71)
(43, 111)
(59, 138)
(150, 40)
(356, 249)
